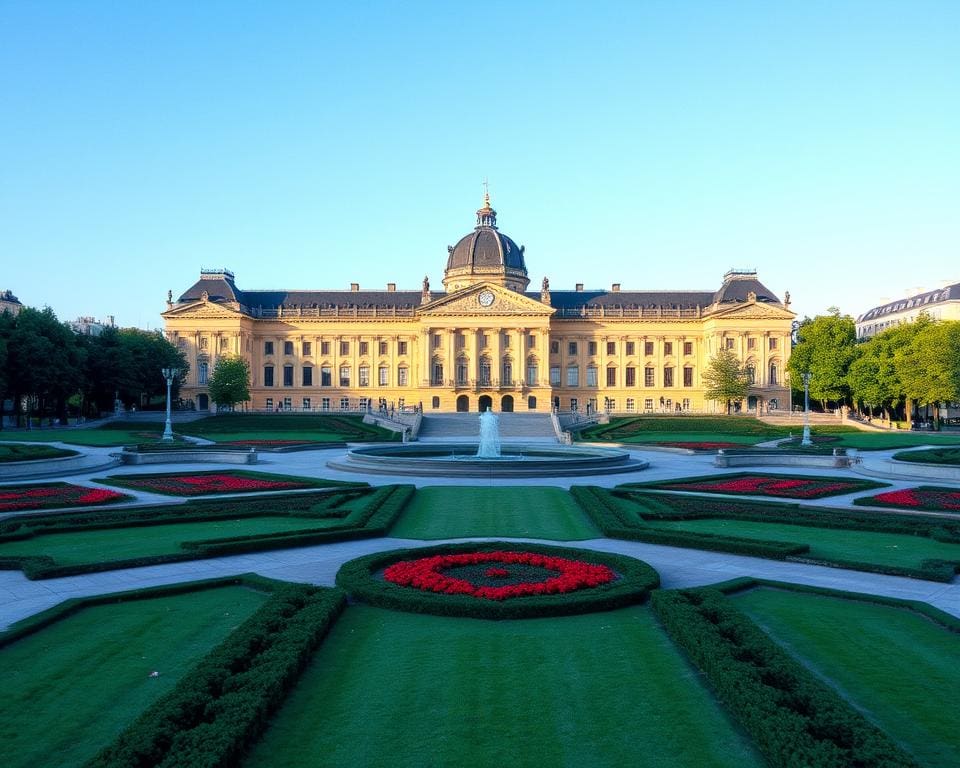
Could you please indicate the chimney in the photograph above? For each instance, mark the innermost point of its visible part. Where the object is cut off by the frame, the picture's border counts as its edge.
(615, 288)
(354, 287)
(111, 319)
(579, 286)
(391, 287)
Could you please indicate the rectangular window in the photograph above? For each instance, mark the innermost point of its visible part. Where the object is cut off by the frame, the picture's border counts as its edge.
(648, 404)
(324, 347)
(307, 349)
(383, 375)
(686, 404)
(591, 347)
(648, 377)
(482, 340)
(611, 404)
(364, 347)
(307, 376)
(751, 343)
(324, 403)
(269, 403)
(288, 375)
(463, 372)
(611, 377)
(554, 347)
(326, 376)
(532, 374)
(344, 375)
(631, 377)
(531, 341)
(268, 347)
(591, 375)
(364, 375)
(631, 348)
(344, 348)
(364, 404)
(288, 347)
(631, 405)
(401, 347)
(436, 340)
(668, 347)
(461, 341)
(485, 374)
(287, 404)
(306, 403)
(667, 376)
(729, 343)
(383, 348)
(573, 376)
(505, 340)
(506, 379)
(437, 377)
(773, 342)
(611, 347)
(202, 373)
(648, 348)
(688, 377)
(268, 375)
(344, 403)
(688, 347)
(402, 376)
(554, 375)
(574, 404)
(572, 348)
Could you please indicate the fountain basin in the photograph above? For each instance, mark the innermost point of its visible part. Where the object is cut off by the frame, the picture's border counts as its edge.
(460, 460)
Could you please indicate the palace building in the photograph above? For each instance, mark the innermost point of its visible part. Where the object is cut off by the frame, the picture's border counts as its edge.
(485, 341)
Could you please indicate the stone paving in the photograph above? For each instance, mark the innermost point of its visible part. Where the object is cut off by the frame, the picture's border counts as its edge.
(20, 598)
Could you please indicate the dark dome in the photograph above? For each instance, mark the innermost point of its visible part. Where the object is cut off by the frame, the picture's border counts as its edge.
(486, 247)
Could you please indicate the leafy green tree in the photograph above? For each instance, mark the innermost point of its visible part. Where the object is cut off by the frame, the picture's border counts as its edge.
(826, 347)
(146, 353)
(931, 366)
(230, 381)
(725, 378)
(7, 325)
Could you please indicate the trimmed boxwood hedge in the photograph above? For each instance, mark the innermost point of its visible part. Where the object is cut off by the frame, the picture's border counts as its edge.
(214, 713)
(32, 452)
(636, 578)
(381, 511)
(794, 719)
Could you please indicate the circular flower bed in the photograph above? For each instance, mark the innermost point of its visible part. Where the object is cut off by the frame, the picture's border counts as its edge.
(497, 580)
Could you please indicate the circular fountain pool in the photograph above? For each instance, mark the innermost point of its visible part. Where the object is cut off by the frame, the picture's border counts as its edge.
(461, 460)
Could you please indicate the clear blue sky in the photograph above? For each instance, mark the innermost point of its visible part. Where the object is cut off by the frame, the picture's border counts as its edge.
(307, 145)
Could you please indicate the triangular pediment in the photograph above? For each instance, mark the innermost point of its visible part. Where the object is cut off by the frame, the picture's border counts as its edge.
(201, 309)
(754, 310)
(485, 300)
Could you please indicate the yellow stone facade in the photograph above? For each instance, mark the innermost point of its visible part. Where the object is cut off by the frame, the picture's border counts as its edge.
(485, 343)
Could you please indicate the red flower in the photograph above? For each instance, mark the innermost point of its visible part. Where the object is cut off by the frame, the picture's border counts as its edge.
(760, 485)
(927, 498)
(197, 485)
(20, 497)
(427, 574)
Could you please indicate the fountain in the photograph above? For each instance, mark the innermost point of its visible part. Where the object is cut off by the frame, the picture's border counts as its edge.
(489, 447)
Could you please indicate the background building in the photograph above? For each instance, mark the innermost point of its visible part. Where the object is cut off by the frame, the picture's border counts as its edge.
(10, 303)
(483, 342)
(942, 304)
(89, 326)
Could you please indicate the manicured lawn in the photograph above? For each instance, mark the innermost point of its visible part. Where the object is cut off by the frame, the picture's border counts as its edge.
(18, 452)
(899, 668)
(289, 426)
(453, 512)
(97, 438)
(948, 456)
(69, 688)
(105, 545)
(881, 441)
(399, 689)
(828, 543)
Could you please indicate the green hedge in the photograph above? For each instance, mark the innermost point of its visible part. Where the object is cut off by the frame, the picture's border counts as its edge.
(359, 578)
(385, 505)
(31, 452)
(215, 712)
(794, 719)
(605, 510)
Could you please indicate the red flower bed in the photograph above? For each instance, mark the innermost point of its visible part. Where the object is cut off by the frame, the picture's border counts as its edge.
(699, 446)
(924, 497)
(562, 574)
(760, 485)
(202, 484)
(14, 498)
(266, 443)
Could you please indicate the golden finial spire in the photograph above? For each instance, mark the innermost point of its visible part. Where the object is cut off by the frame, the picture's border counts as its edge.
(486, 193)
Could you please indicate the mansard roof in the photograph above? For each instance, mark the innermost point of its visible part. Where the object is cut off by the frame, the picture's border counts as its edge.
(918, 301)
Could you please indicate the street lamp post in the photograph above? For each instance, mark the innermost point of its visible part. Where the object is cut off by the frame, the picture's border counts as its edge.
(806, 442)
(170, 374)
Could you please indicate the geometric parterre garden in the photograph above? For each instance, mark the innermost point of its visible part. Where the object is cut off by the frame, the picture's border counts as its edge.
(927, 497)
(210, 483)
(487, 653)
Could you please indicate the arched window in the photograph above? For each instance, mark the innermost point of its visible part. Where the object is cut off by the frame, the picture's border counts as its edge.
(506, 379)
(463, 372)
(485, 374)
(774, 378)
(201, 373)
(436, 376)
(533, 373)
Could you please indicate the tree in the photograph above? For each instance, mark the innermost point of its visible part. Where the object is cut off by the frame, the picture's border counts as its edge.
(826, 347)
(230, 382)
(932, 366)
(725, 378)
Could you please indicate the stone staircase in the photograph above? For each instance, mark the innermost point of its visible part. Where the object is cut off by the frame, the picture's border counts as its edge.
(466, 426)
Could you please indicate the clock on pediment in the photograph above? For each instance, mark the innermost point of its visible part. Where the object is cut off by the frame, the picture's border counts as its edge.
(485, 298)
